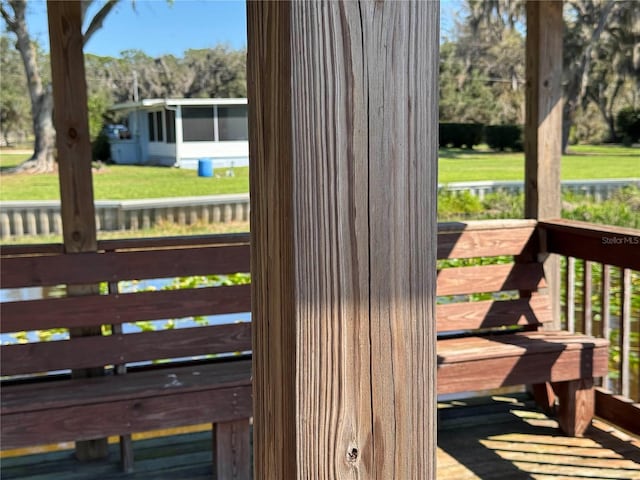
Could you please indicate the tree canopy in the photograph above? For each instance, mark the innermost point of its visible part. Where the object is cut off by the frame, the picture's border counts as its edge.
(482, 66)
(199, 73)
(482, 71)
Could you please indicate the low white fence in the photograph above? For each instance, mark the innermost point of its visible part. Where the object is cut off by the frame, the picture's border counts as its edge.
(597, 189)
(43, 217)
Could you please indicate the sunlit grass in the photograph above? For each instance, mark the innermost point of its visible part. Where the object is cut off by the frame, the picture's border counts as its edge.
(121, 182)
(162, 229)
(583, 162)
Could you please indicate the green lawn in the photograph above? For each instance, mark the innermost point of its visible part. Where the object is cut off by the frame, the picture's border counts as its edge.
(121, 182)
(117, 182)
(583, 162)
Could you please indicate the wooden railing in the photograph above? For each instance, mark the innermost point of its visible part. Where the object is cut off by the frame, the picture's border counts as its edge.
(600, 296)
(600, 293)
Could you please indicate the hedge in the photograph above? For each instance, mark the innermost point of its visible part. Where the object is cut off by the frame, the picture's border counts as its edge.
(628, 123)
(460, 134)
(502, 137)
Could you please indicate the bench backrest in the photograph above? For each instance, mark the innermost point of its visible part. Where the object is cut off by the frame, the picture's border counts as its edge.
(489, 278)
(118, 261)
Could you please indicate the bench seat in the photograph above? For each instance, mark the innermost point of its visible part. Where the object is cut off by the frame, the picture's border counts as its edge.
(501, 360)
(82, 409)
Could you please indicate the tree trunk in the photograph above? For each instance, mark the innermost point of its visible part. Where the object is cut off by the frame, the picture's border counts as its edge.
(42, 159)
(567, 122)
(579, 75)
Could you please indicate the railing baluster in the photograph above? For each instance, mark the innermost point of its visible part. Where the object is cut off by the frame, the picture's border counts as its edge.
(625, 332)
(605, 325)
(571, 295)
(587, 309)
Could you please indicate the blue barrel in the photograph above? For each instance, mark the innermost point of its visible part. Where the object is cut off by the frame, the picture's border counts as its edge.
(205, 167)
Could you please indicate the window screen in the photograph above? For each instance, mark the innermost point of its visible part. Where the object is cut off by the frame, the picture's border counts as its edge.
(152, 129)
(170, 125)
(197, 124)
(232, 123)
(159, 125)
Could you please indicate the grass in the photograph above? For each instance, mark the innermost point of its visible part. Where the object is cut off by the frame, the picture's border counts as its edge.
(582, 163)
(122, 182)
(119, 182)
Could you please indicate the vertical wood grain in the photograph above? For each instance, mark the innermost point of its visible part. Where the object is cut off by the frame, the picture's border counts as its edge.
(343, 138)
(72, 126)
(543, 125)
(74, 160)
(576, 405)
(232, 450)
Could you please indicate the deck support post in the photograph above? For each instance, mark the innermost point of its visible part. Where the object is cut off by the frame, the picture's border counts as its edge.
(576, 407)
(74, 161)
(543, 126)
(232, 450)
(343, 125)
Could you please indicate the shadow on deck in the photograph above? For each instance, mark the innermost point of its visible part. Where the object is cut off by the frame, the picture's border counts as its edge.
(508, 438)
(500, 437)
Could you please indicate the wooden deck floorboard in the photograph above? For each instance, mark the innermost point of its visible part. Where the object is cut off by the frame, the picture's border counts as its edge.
(490, 438)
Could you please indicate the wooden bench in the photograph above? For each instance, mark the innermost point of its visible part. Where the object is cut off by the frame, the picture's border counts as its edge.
(145, 380)
(491, 318)
(490, 335)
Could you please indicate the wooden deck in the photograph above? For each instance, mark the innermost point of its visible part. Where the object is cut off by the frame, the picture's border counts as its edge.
(500, 437)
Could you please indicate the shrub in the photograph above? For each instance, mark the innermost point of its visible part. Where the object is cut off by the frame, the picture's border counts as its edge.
(628, 123)
(501, 137)
(503, 205)
(460, 134)
(458, 205)
(100, 149)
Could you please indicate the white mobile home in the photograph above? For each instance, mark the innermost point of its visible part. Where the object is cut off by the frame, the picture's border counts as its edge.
(179, 132)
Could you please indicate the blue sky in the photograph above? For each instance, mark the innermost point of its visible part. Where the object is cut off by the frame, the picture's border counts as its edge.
(159, 27)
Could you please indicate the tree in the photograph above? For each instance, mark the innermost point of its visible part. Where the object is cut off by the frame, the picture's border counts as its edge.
(614, 80)
(482, 70)
(14, 105)
(13, 12)
(216, 72)
(601, 57)
(584, 25)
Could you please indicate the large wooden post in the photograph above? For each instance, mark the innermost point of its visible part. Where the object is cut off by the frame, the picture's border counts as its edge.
(343, 137)
(543, 124)
(74, 159)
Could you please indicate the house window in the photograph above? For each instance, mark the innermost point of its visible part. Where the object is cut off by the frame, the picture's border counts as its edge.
(159, 129)
(232, 123)
(170, 125)
(152, 126)
(197, 124)
(156, 131)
